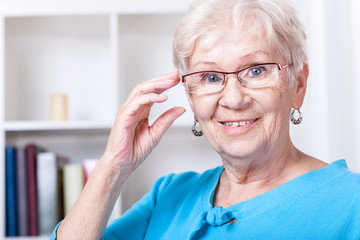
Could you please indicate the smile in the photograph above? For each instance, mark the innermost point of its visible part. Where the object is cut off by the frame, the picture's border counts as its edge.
(238, 124)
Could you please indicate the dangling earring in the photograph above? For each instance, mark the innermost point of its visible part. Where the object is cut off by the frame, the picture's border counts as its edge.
(196, 132)
(299, 119)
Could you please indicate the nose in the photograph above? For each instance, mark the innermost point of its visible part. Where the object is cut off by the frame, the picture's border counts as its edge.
(234, 94)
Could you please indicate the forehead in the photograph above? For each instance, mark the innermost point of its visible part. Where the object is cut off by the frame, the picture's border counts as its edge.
(232, 48)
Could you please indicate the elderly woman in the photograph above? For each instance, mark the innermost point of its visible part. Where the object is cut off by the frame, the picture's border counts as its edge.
(244, 66)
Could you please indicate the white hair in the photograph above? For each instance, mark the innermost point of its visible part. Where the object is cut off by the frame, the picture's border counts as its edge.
(277, 18)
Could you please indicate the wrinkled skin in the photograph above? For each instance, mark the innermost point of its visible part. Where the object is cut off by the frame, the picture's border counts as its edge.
(132, 139)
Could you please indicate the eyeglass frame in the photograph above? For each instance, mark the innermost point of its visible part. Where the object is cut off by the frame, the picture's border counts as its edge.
(280, 67)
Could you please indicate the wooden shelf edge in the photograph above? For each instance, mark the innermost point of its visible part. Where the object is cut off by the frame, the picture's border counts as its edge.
(14, 126)
(23, 126)
(89, 7)
(28, 238)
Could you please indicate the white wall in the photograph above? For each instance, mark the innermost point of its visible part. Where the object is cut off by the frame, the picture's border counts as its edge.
(329, 130)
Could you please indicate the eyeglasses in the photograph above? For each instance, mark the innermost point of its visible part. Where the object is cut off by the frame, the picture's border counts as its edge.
(258, 75)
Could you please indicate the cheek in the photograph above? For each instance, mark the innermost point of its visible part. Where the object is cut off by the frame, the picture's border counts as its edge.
(279, 121)
(275, 104)
(271, 100)
(275, 99)
(204, 106)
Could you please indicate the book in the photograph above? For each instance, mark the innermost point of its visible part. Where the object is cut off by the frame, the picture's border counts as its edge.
(31, 152)
(88, 166)
(49, 190)
(11, 192)
(22, 191)
(73, 184)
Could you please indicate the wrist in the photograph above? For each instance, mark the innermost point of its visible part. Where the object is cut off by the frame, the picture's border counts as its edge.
(115, 166)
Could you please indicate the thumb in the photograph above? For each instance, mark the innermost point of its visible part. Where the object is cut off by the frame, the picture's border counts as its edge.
(166, 120)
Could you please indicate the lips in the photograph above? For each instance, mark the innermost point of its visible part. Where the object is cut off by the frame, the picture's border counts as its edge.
(238, 123)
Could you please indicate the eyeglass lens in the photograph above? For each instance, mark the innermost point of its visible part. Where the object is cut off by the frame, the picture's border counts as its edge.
(211, 81)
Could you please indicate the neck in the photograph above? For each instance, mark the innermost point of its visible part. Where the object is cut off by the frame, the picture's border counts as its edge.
(246, 178)
(264, 169)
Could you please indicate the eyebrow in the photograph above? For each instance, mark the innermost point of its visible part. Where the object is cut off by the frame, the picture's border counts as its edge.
(244, 57)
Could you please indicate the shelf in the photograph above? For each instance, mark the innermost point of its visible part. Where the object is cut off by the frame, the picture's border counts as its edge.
(79, 7)
(28, 238)
(77, 54)
(95, 52)
(16, 126)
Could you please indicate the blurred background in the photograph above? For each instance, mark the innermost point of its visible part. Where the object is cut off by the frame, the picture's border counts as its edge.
(96, 52)
(330, 130)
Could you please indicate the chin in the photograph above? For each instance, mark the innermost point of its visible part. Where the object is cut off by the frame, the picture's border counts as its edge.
(239, 150)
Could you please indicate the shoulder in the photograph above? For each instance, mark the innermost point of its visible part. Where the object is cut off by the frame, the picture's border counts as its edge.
(350, 181)
(346, 189)
(346, 176)
(345, 183)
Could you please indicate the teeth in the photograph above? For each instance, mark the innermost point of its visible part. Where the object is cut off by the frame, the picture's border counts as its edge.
(237, 124)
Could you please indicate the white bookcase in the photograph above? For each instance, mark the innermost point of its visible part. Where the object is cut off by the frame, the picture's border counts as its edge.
(95, 52)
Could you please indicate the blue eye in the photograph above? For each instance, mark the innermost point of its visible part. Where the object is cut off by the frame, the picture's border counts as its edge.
(256, 71)
(213, 78)
(210, 77)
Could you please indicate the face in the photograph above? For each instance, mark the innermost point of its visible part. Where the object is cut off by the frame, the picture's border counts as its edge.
(242, 122)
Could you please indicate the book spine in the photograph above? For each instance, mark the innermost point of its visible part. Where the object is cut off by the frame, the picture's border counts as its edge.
(11, 192)
(21, 191)
(88, 166)
(73, 184)
(47, 192)
(32, 191)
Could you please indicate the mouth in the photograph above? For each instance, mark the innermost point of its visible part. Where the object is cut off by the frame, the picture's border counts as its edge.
(238, 123)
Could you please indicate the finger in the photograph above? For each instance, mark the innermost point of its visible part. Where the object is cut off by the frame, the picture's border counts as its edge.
(170, 76)
(157, 85)
(162, 124)
(138, 109)
(149, 99)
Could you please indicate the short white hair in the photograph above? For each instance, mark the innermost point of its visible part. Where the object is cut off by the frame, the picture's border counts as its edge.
(277, 18)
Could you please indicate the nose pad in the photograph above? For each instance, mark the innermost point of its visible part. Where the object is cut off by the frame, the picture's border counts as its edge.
(233, 75)
(241, 82)
(235, 78)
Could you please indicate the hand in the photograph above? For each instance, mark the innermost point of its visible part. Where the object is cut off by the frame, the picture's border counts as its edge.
(132, 139)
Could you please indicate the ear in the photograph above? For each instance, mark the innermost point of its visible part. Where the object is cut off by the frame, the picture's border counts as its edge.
(190, 100)
(299, 88)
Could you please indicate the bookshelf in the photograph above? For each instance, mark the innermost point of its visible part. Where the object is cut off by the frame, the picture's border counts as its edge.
(95, 52)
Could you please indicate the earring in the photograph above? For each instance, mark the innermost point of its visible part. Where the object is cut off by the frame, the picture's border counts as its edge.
(298, 120)
(196, 132)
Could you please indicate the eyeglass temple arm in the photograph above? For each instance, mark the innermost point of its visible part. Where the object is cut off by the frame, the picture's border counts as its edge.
(285, 66)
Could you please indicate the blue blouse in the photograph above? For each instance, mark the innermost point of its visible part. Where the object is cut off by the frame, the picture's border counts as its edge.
(322, 204)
